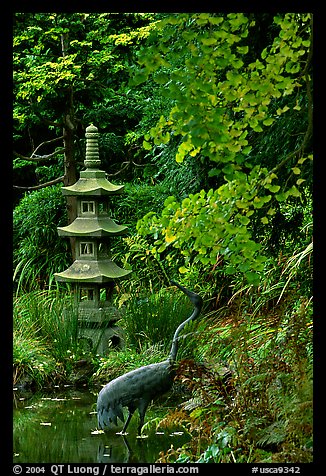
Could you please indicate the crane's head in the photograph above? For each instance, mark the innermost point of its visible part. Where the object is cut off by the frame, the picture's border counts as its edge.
(194, 298)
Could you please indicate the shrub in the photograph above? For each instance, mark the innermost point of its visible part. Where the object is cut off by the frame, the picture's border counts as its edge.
(38, 252)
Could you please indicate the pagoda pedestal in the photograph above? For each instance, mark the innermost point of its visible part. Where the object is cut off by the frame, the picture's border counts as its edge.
(93, 274)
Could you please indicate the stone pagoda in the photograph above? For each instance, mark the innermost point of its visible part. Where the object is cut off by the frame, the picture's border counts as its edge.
(93, 273)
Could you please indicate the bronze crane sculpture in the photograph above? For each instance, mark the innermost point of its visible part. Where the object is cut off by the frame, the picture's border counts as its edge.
(136, 389)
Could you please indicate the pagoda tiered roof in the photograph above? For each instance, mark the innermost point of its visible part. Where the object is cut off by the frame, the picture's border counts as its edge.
(102, 271)
(97, 226)
(92, 182)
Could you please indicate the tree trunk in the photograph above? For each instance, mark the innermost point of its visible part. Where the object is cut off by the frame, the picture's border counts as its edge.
(70, 173)
(69, 156)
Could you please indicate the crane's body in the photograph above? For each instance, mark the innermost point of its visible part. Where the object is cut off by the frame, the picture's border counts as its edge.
(136, 389)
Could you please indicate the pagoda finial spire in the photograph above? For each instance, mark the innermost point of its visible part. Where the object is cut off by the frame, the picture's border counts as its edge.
(92, 160)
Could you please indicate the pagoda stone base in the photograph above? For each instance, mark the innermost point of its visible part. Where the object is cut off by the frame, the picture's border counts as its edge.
(100, 340)
(98, 329)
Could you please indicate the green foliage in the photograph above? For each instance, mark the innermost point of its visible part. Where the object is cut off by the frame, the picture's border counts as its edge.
(216, 452)
(50, 317)
(179, 179)
(45, 336)
(70, 69)
(213, 134)
(59, 50)
(31, 358)
(152, 320)
(38, 252)
(207, 73)
(215, 226)
(147, 267)
(119, 362)
(137, 200)
(210, 82)
(149, 323)
(251, 385)
(218, 97)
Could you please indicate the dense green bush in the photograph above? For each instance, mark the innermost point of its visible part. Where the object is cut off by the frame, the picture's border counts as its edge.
(148, 325)
(137, 199)
(38, 252)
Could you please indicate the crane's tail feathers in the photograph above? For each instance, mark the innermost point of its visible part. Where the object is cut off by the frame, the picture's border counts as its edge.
(109, 415)
(194, 298)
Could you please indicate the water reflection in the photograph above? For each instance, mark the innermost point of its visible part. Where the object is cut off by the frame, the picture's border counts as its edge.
(61, 428)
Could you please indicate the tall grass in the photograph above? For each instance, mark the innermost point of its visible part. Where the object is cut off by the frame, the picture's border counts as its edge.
(53, 317)
(152, 320)
(32, 359)
(45, 334)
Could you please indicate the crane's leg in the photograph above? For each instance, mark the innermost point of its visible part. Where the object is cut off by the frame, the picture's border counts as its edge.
(142, 407)
(130, 414)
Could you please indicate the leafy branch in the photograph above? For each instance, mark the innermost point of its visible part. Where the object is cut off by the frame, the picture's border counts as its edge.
(218, 100)
(308, 134)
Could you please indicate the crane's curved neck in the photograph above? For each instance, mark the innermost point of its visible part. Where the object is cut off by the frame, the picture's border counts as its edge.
(197, 301)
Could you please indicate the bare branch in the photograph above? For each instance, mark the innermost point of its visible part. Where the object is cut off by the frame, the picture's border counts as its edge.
(24, 157)
(46, 142)
(42, 185)
(119, 171)
(39, 158)
(127, 163)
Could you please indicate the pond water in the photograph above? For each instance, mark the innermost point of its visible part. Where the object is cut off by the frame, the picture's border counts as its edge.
(60, 427)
